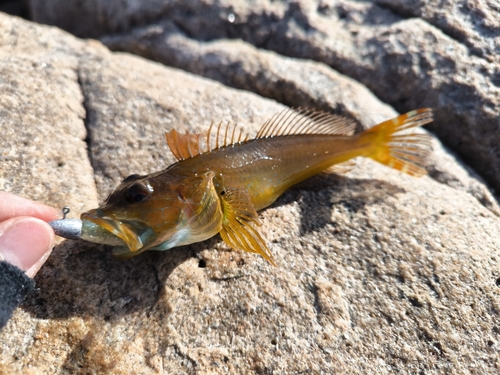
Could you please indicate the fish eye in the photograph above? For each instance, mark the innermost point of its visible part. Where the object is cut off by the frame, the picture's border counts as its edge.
(138, 192)
(131, 177)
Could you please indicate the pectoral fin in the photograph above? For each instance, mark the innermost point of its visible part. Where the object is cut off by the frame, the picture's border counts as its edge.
(237, 229)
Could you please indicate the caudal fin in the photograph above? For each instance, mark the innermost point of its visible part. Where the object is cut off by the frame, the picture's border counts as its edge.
(393, 143)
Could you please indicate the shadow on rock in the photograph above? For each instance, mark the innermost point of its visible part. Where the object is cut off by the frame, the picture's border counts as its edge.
(316, 197)
(82, 279)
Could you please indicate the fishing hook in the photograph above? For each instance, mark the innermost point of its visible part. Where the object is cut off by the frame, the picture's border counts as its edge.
(65, 211)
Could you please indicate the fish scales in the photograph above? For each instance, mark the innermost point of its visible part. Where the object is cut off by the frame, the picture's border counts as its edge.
(267, 167)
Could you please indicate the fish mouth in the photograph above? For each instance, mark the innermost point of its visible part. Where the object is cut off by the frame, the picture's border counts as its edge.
(133, 232)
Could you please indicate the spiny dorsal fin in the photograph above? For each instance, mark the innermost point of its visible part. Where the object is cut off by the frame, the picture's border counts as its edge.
(184, 146)
(231, 135)
(188, 145)
(305, 121)
(288, 122)
(237, 229)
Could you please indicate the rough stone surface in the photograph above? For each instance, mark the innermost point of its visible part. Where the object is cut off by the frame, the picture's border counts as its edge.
(473, 23)
(42, 134)
(293, 82)
(378, 272)
(445, 59)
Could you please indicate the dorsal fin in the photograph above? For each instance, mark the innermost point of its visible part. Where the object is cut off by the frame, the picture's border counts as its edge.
(184, 146)
(305, 121)
(224, 137)
(287, 122)
(187, 145)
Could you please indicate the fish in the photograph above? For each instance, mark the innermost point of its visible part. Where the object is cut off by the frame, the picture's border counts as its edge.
(219, 188)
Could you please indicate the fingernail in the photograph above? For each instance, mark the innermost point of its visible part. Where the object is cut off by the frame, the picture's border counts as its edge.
(23, 241)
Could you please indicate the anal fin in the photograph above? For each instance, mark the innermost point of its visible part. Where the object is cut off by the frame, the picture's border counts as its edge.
(237, 225)
(342, 167)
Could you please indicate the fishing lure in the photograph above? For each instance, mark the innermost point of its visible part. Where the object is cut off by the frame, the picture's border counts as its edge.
(219, 189)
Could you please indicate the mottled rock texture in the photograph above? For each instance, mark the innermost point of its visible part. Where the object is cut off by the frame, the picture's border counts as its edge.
(377, 272)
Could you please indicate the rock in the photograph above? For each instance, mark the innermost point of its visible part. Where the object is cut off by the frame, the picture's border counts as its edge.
(374, 265)
(293, 82)
(43, 154)
(445, 60)
(474, 24)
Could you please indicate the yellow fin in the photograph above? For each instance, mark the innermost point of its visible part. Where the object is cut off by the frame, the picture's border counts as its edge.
(237, 230)
(184, 146)
(398, 149)
(205, 207)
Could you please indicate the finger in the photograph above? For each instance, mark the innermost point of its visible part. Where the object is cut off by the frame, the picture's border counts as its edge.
(26, 242)
(12, 206)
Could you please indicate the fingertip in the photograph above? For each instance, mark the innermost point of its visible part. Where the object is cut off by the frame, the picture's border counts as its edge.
(44, 249)
(26, 242)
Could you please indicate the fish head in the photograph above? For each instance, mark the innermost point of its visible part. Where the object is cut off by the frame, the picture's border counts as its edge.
(157, 211)
(143, 211)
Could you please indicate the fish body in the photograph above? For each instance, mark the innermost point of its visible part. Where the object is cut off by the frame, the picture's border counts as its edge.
(220, 189)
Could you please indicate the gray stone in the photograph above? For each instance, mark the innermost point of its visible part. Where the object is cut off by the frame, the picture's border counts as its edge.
(42, 134)
(472, 23)
(293, 82)
(377, 272)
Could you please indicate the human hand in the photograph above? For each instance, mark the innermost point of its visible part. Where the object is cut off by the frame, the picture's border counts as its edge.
(26, 240)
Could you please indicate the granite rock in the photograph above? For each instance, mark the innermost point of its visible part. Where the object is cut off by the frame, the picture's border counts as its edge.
(377, 272)
(290, 81)
(409, 53)
(43, 150)
(474, 24)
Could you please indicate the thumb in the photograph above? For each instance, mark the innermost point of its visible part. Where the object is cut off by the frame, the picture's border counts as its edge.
(26, 242)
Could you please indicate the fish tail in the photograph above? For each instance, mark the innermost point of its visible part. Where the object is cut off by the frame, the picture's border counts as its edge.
(391, 144)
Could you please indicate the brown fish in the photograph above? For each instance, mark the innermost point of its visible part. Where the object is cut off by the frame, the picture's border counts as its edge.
(220, 189)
